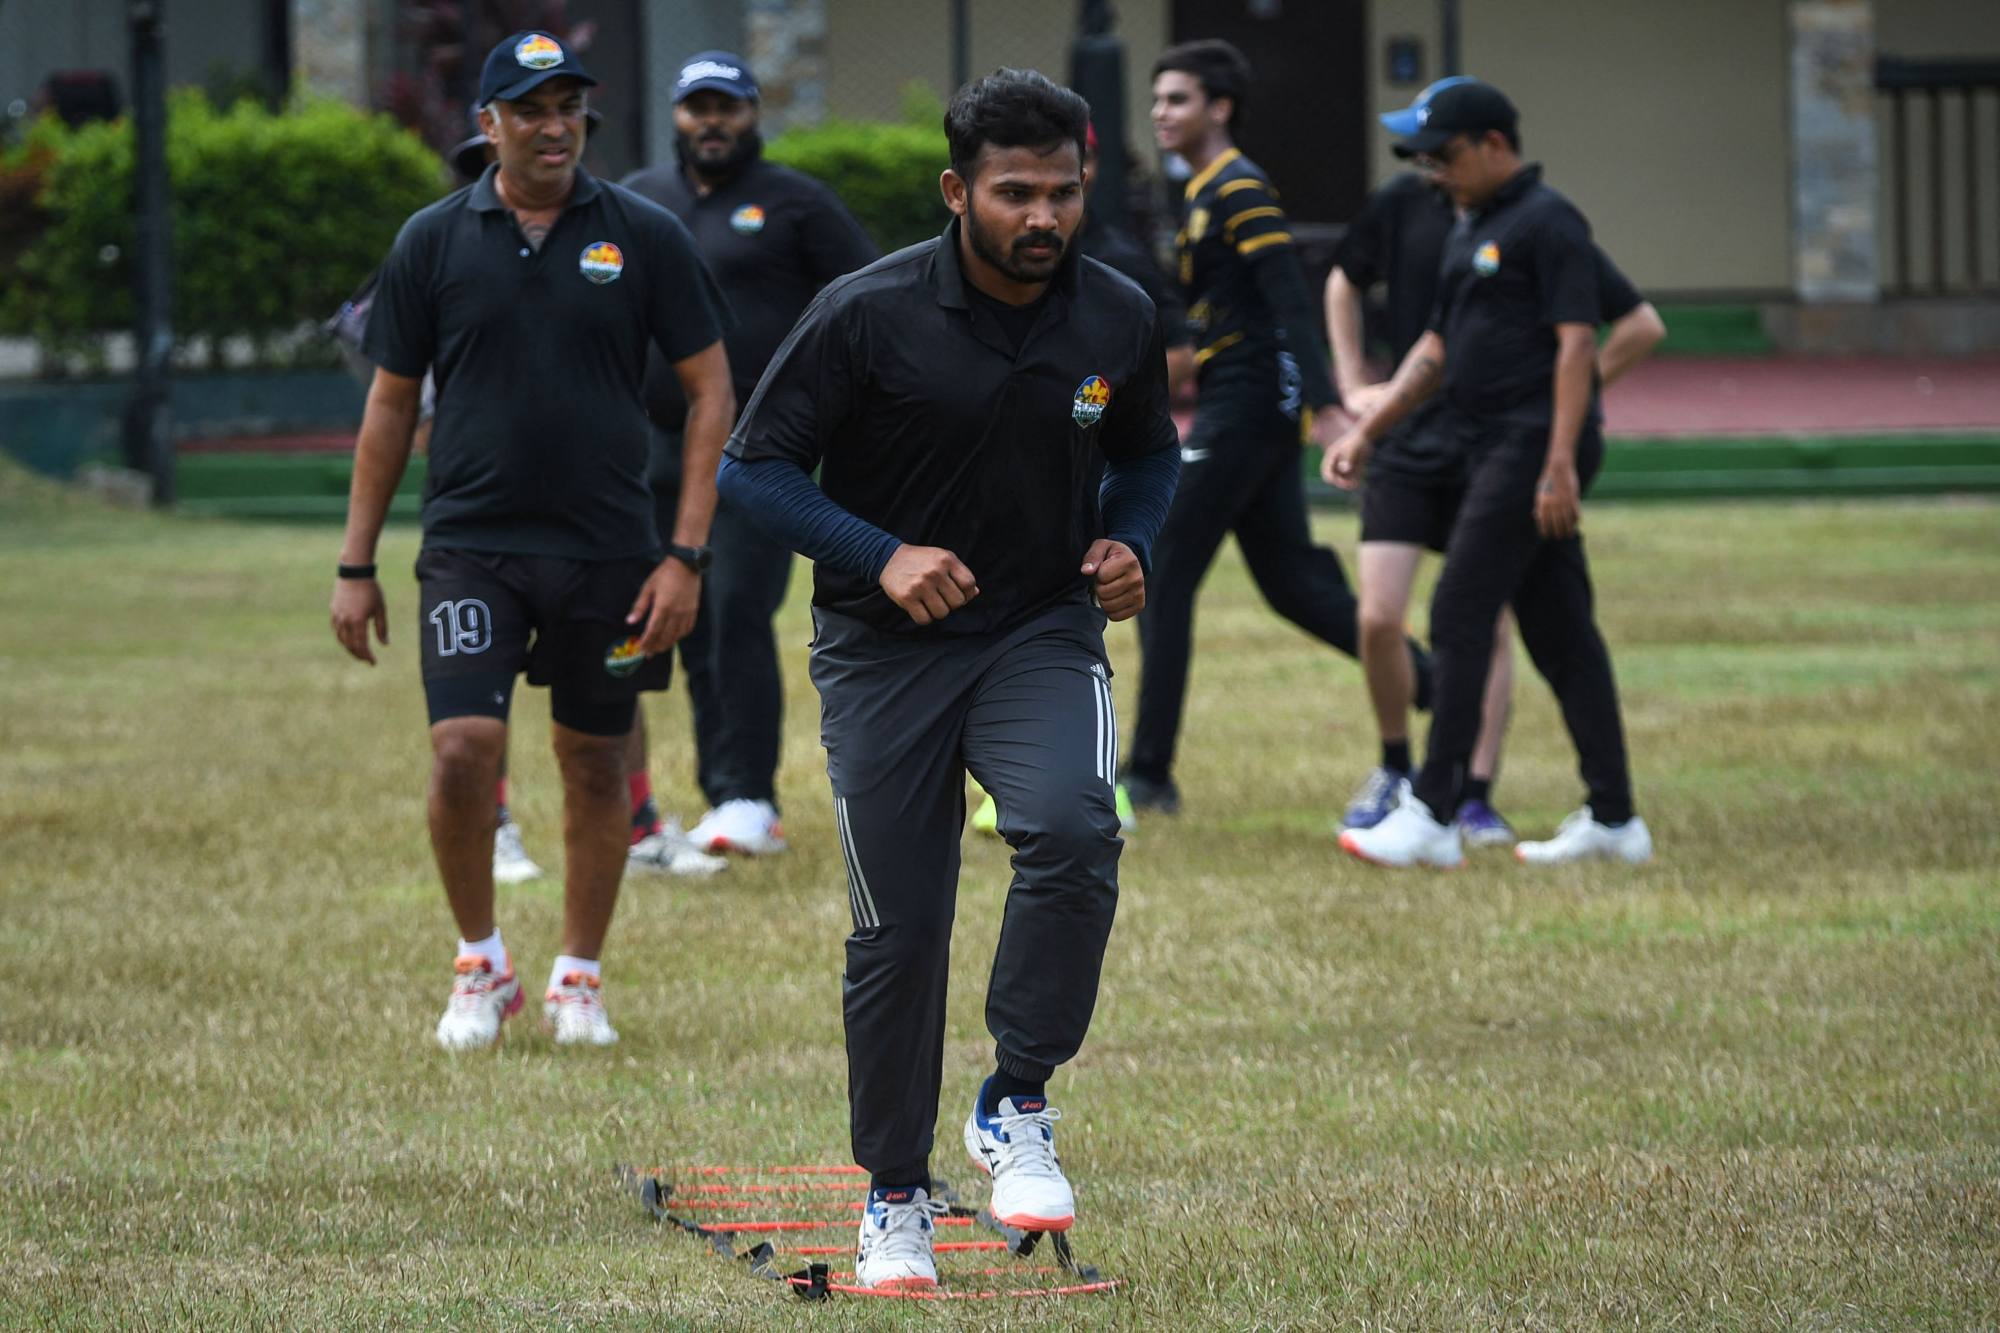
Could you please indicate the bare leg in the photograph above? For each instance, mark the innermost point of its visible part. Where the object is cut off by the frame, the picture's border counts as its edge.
(595, 834)
(1387, 571)
(1498, 705)
(466, 753)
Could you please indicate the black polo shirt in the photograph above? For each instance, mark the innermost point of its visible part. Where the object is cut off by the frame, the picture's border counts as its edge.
(925, 421)
(1513, 269)
(773, 237)
(1399, 237)
(539, 444)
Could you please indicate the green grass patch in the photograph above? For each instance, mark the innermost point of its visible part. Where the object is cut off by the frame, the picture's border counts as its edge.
(1754, 1084)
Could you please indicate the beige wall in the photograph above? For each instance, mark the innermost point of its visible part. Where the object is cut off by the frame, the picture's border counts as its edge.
(872, 54)
(1666, 123)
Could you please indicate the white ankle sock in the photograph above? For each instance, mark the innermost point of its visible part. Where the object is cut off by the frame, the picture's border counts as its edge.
(566, 964)
(490, 948)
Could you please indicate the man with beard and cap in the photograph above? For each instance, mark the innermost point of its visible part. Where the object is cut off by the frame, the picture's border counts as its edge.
(1511, 348)
(773, 237)
(959, 399)
(1416, 477)
(531, 296)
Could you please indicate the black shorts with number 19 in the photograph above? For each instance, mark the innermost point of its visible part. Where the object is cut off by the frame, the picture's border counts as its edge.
(484, 618)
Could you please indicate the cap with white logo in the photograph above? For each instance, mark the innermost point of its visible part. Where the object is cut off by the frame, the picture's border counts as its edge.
(724, 71)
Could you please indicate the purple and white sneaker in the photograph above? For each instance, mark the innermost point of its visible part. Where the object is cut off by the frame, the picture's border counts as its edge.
(1481, 826)
(1375, 798)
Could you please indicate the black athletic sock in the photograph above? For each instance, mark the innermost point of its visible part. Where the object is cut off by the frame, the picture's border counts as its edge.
(901, 1178)
(1004, 1084)
(1475, 789)
(1396, 755)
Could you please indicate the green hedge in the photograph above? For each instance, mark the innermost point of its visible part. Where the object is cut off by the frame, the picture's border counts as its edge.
(276, 219)
(886, 174)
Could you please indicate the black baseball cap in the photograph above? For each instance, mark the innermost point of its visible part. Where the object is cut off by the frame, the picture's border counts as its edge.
(1467, 107)
(724, 71)
(524, 62)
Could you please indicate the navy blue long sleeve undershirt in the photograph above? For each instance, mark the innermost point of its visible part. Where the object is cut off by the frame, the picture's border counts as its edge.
(784, 501)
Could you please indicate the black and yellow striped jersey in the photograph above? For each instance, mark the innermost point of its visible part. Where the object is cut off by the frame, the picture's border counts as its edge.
(1231, 227)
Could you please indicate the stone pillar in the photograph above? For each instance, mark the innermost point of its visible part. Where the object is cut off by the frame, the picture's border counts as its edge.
(330, 49)
(1834, 159)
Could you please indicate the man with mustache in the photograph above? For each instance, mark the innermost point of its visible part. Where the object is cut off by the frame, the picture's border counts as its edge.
(773, 238)
(531, 296)
(959, 398)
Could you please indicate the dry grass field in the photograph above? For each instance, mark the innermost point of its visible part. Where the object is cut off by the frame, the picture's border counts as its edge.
(1754, 1084)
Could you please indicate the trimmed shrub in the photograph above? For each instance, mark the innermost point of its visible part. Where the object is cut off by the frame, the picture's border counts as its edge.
(886, 174)
(276, 219)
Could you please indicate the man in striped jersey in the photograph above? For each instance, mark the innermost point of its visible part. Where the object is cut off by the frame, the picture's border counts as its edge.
(1259, 364)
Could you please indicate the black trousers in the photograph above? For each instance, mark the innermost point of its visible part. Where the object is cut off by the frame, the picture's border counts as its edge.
(1496, 557)
(730, 659)
(1241, 472)
(1028, 712)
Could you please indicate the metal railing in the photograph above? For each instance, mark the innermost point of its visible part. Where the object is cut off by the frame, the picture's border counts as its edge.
(1925, 262)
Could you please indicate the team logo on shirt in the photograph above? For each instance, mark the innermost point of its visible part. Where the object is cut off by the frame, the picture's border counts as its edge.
(1486, 260)
(747, 220)
(537, 51)
(1197, 224)
(1092, 396)
(602, 262)
(622, 659)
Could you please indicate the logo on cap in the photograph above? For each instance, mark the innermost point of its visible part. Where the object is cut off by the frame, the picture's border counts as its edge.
(1424, 115)
(1092, 397)
(602, 262)
(747, 220)
(1486, 260)
(709, 69)
(537, 51)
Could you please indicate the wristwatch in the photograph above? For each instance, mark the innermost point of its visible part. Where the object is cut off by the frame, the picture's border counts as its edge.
(697, 558)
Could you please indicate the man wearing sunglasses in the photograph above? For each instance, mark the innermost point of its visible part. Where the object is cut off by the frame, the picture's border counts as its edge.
(1511, 345)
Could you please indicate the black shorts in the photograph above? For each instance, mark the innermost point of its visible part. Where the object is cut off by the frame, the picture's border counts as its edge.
(1414, 510)
(484, 618)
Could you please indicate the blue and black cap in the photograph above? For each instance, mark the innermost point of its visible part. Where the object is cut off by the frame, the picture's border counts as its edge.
(1457, 105)
(524, 62)
(724, 71)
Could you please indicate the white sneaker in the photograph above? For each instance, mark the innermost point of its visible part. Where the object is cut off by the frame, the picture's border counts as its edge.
(480, 1003)
(751, 828)
(895, 1250)
(1409, 835)
(670, 853)
(573, 1012)
(1017, 1147)
(510, 861)
(1581, 838)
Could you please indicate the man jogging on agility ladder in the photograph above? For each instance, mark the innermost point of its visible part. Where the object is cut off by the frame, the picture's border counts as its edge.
(957, 397)
(1512, 347)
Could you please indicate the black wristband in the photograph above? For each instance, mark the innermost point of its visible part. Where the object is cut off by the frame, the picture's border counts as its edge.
(356, 571)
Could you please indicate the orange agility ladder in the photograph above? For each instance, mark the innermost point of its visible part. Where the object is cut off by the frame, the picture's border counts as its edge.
(774, 1212)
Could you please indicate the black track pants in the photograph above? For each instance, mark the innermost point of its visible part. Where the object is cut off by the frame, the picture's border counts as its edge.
(1028, 712)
